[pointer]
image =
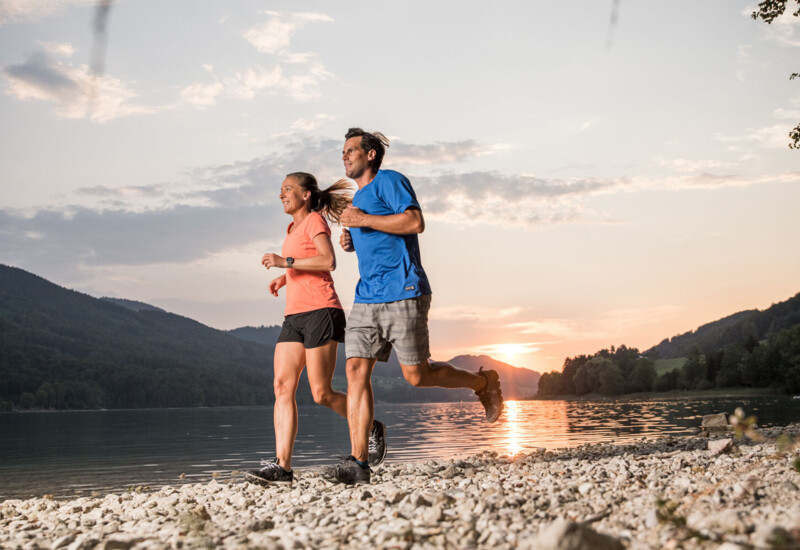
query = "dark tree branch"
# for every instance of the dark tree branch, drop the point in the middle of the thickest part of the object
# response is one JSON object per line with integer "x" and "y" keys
{"x": 768, "y": 11}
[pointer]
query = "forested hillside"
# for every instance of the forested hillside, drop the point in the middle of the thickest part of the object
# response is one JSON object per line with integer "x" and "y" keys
{"x": 754, "y": 349}
{"x": 736, "y": 329}
{"x": 63, "y": 349}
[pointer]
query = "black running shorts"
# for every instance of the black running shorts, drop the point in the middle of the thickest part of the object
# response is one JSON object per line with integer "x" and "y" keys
{"x": 314, "y": 328}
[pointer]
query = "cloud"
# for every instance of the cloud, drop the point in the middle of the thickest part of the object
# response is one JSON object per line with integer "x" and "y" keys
{"x": 214, "y": 208}
{"x": 472, "y": 313}
{"x": 744, "y": 59}
{"x": 274, "y": 35}
{"x": 501, "y": 199}
{"x": 301, "y": 83}
{"x": 774, "y": 136}
{"x": 64, "y": 49}
{"x": 86, "y": 237}
{"x": 76, "y": 92}
{"x": 507, "y": 350}
{"x": 603, "y": 327}
{"x": 296, "y": 74}
{"x": 202, "y": 96}
{"x": 685, "y": 166}
{"x": 786, "y": 29}
{"x": 436, "y": 153}
{"x": 307, "y": 125}
{"x": 246, "y": 84}
{"x": 17, "y": 11}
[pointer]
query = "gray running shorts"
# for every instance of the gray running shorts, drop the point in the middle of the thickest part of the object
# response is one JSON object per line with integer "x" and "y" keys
{"x": 373, "y": 329}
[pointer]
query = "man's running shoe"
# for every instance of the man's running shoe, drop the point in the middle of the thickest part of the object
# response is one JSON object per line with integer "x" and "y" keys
{"x": 377, "y": 443}
{"x": 491, "y": 397}
{"x": 270, "y": 472}
{"x": 348, "y": 471}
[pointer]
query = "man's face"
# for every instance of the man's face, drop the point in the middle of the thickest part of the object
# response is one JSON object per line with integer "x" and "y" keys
{"x": 355, "y": 159}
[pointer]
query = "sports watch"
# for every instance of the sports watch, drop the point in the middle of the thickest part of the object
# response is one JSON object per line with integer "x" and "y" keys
{"x": 289, "y": 262}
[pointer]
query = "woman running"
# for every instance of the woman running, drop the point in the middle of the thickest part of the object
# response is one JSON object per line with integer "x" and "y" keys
{"x": 314, "y": 323}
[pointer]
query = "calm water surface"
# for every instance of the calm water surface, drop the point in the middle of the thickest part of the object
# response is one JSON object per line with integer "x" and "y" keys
{"x": 75, "y": 453}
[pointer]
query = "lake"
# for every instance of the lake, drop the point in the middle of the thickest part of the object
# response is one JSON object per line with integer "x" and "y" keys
{"x": 68, "y": 454}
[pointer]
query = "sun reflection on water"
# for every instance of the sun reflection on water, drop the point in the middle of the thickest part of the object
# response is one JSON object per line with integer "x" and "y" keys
{"x": 514, "y": 447}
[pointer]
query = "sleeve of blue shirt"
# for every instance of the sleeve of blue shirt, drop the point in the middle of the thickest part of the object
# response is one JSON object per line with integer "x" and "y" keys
{"x": 396, "y": 191}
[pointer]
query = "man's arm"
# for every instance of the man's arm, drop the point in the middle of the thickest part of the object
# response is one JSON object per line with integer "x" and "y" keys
{"x": 409, "y": 222}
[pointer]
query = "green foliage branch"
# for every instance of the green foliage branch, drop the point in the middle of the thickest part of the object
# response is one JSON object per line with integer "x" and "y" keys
{"x": 768, "y": 11}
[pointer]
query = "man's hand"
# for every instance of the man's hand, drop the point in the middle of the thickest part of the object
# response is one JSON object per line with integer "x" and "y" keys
{"x": 273, "y": 260}
{"x": 346, "y": 241}
{"x": 276, "y": 284}
{"x": 353, "y": 217}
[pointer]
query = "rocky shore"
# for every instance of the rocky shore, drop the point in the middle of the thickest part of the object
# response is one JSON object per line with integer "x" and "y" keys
{"x": 688, "y": 492}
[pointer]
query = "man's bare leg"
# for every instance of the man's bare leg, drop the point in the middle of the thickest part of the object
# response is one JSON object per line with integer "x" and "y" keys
{"x": 442, "y": 375}
{"x": 360, "y": 405}
{"x": 485, "y": 384}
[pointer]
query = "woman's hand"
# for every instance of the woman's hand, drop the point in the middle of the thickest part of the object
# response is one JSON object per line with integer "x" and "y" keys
{"x": 276, "y": 284}
{"x": 273, "y": 260}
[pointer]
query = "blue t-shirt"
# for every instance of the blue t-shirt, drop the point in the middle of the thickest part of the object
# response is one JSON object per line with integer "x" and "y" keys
{"x": 390, "y": 265}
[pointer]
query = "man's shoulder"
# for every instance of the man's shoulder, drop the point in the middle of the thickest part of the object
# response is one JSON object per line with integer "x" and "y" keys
{"x": 390, "y": 176}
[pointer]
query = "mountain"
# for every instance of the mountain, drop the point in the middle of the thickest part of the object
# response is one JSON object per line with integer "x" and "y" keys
{"x": 517, "y": 383}
{"x": 63, "y": 349}
{"x": 753, "y": 325}
{"x": 133, "y": 305}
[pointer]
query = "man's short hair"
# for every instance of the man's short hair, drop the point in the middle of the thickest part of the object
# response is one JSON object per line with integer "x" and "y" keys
{"x": 371, "y": 141}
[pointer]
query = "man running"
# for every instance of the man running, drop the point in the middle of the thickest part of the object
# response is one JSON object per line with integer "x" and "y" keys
{"x": 392, "y": 300}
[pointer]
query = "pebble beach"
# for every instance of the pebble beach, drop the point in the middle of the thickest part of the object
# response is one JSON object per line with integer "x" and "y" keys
{"x": 672, "y": 492}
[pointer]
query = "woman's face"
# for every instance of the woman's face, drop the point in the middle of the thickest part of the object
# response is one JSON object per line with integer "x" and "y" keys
{"x": 293, "y": 196}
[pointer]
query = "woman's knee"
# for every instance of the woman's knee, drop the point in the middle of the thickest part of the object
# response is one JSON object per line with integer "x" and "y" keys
{"x": 284, "y": 388}
{"x": 322, "y": 396}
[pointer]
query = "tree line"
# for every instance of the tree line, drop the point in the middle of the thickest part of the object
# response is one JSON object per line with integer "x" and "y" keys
{"x": 771, "y": 363}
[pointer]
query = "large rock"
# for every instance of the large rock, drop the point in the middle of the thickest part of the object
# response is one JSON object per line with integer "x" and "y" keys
{"x": 568, "y": 535}
{"x": 719, "y": 446}
{"x": 715, "y": 422}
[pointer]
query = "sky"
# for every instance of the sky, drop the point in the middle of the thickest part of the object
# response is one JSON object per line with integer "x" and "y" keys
{"x": 591, "y": 173}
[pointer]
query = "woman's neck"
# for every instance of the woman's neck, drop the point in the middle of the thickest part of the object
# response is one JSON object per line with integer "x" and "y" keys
{"x": 300, "y": 215}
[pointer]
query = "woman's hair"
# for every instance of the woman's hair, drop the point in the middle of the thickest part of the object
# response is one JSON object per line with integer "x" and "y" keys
{"x": 330, "y": 202}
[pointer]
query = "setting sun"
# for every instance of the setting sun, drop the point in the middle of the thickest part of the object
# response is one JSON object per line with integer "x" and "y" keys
{"x": 511, "y": 351}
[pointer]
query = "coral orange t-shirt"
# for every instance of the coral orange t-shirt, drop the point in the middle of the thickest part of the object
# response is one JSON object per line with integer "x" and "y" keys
{"x": 307, "y": 290}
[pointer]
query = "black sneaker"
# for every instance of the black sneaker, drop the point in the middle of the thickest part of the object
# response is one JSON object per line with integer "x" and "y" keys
{"x": 270, "y": 472}
{"x": 491, "y": 396}
{"x": 377, "y": 443}
{"x": 348, "y": 471}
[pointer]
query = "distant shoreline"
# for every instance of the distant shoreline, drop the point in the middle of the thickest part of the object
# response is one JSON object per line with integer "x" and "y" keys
{"x": 676, "y": 395}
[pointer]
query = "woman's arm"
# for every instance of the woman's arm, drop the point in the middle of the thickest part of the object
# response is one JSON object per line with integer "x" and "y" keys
{"x": 325, "y": 260}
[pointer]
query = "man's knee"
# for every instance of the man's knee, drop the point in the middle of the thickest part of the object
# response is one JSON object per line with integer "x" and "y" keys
{"x": 358, "y": 369}
{"x": 416, "y": 375}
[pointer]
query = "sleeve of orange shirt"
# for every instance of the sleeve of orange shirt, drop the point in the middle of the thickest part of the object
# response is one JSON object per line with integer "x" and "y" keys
{"x": 315, "y": 226}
